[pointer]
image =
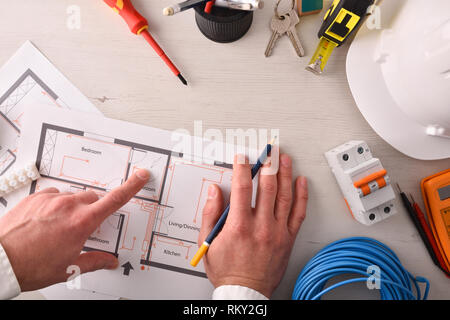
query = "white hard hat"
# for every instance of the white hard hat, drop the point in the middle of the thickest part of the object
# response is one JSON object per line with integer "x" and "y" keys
{"x": 400, "y": 77}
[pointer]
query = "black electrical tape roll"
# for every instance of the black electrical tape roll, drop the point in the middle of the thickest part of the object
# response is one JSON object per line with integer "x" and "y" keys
{"x": 223, "y": 24}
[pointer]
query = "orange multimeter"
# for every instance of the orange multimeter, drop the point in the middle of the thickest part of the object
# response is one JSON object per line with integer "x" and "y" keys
{"x": 436, "y": 196}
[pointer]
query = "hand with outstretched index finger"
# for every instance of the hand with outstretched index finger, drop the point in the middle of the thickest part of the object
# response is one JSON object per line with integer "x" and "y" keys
{"x": 45, "y": 232}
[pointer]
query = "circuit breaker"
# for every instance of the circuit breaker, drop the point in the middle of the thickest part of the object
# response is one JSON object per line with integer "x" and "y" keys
{"x": 364, "y": 182}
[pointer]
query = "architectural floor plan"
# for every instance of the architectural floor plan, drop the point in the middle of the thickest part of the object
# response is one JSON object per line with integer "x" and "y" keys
{"x": 161, "y": 223}
{"x": 24, "y": 91}
{"x": 25, "y": 80}
{"x": 155, "y": 235}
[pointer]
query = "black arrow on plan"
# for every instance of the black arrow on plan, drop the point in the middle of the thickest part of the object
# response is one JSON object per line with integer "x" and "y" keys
{"x": 126, "y": 268}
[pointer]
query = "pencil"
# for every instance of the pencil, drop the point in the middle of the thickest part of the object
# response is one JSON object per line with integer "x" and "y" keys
{"x": 220, "y": 223}
{"x": 185, "y": 5}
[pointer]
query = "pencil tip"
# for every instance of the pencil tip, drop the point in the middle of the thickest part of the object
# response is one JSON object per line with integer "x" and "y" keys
{"x": 182, "y": 79}
{"x": 272, "y": 142}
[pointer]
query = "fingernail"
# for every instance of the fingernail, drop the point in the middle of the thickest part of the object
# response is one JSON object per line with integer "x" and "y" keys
{"x": 285, "y": 160}
{"x": 267, "y": 163}
{"x": 303, "y": 182}
{"x": 143, "y": 174}
{"x": 241, "y": 159}
{"x": 212, "y": 192}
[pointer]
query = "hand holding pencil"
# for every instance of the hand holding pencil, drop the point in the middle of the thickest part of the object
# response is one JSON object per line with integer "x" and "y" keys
{"x": 254, "y": 246}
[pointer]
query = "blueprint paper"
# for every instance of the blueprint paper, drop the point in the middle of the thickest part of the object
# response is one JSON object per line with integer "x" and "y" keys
{"x": 28, "y": 78}
{"x": 155, "y": 235}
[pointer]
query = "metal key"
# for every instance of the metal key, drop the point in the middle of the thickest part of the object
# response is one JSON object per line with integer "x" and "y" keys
{"x": 279, "y": 26}
{"x": 292, "y": 32}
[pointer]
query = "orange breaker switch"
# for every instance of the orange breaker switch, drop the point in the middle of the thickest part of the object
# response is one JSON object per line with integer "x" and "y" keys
{"x": 371, "y": 182}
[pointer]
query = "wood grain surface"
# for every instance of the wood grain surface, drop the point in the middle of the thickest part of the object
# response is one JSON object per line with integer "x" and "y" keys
{"x": 231, "y": 86}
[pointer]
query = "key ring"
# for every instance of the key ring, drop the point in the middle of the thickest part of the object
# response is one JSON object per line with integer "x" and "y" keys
{"x": 294, "y": 2}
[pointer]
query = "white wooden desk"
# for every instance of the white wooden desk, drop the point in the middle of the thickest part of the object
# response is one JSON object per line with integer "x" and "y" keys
{"x": 231, "y": 86}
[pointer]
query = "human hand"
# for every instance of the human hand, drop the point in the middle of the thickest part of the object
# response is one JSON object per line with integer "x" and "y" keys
{"x": 45, "y": 232}
{"x": 254, "y": 246}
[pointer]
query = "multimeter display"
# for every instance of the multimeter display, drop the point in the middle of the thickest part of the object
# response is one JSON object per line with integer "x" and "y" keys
{"x": 446, "y": 217}
{"x": 444, "y": 193}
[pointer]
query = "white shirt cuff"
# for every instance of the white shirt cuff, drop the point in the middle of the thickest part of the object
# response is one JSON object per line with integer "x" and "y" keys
{"x": 234, "y": 292}
{"x": 9, "y": 286}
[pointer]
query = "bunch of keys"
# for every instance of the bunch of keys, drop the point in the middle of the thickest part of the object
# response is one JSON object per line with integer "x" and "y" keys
{"x": 285, "y": 24}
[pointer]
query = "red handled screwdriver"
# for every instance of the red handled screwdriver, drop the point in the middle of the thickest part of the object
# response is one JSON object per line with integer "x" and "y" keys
{"x": 208, "y": 6}
{"x": 139, "y": 25}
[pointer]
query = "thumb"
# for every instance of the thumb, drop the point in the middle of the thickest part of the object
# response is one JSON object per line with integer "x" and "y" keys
{"x": 211, "y": 212}
{"x": 95, "y": 260}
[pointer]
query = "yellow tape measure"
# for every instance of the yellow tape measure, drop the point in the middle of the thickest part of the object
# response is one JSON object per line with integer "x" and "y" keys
{"x": 341, "y": 20}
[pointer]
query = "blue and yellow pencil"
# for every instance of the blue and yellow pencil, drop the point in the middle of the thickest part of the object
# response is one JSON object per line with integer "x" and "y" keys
{"x": 219, "y": 225}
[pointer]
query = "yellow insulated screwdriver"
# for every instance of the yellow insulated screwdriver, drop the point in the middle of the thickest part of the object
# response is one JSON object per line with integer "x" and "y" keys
{"x": 342, "y": 19}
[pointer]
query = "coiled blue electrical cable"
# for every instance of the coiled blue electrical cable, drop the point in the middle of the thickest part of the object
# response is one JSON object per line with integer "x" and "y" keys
{"x": 356, "y": 256}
